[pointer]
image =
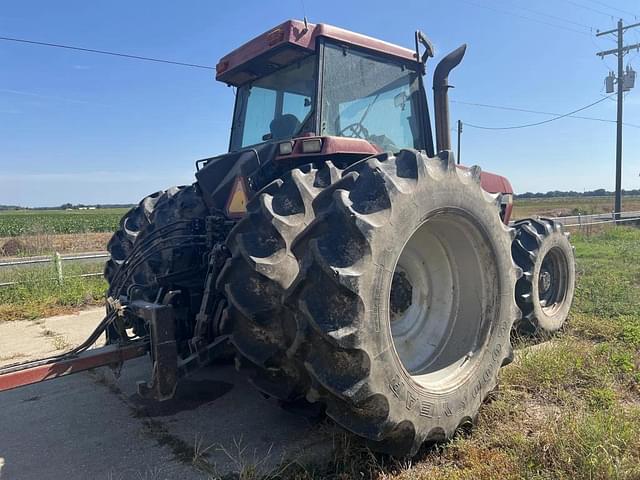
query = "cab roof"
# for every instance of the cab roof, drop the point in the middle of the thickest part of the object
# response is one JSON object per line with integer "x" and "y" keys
{"x": 291, "y": 41}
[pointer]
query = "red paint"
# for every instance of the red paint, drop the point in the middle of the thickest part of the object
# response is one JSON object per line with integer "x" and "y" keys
{"x": 332, "y": 146}
{"x": 96, "y": 357}
{"x": 294, "y": 34}
{"x": 493, "y": 183}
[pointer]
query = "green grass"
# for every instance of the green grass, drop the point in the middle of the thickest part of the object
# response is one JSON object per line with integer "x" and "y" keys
{"x": 28, "y": 222}
{"x": 39, "y": 294}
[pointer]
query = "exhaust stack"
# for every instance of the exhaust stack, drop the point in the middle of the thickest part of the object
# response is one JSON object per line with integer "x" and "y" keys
{"x": 441, "y": 96}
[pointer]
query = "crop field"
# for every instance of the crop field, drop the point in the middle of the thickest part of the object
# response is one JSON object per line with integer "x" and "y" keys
{"x": 31, "y": 222}
{"x": 562, "y": 206}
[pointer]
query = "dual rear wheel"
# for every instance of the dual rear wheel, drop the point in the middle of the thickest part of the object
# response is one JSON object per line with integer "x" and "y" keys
{"x": 382, "y": 294}
{"x": 393, "y": 286}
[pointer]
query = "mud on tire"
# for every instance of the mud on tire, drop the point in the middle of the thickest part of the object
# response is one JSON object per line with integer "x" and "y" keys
{"x": 262, "y": 267}
{"x": 158, "y": 238}
{"x": 545, "y": 291}
{"x": 337, "y": 333}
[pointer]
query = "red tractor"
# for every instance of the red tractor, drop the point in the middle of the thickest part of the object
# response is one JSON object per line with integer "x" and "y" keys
{"x": 354, "y": 268}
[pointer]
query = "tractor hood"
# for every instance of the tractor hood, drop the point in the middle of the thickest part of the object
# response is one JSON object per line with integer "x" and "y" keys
{"x": 217, "y": 175}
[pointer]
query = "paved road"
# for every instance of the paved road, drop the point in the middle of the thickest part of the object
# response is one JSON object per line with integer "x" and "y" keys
{"x": 90, "y": 426}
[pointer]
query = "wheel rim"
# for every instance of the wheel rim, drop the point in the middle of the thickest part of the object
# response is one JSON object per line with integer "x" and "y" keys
{"x": 444, "y": 282}
{"x": 552, "y": 281}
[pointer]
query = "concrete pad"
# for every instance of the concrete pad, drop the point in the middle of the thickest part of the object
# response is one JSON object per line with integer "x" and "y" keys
{"x": 220, "y": 411}
{"x": 76, "y": 328}
{"x": 92, "y": 425}
{"x": 72, "y": 428}
{"x": 22, "y": 341}
{"x": 30, "y": 340}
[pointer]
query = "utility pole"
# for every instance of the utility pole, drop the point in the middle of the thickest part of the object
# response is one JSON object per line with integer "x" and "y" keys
{"x": 459, "y": 133}
{"x": 621, "y": 80}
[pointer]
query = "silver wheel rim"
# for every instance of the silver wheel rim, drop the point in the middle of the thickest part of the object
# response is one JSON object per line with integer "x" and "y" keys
{"x": 442, "y": 287}
{"x": 552, "y": 281}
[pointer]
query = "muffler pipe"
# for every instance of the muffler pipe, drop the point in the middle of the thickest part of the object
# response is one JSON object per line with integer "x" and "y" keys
{"x": 441, "y": 96}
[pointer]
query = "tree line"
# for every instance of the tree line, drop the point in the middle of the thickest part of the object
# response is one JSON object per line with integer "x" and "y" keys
{"x": 600, "y": 192}
{"x": 68, "y": 206}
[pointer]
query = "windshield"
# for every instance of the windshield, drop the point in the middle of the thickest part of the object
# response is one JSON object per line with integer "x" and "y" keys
{"x": 370, "y": 98}
{"x": 275, "y": 107}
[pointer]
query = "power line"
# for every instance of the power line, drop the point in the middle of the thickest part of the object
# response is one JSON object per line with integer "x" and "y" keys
{"x": 562, "y": 19}
{"x": 208, "y": 67}
{"x": 525, "y": 110}
{"x": 513, "y": 127}
{"x": 590, "y": 8}
{"x": 105, "y": 52}
{"x": 614, "y": 8}
{"x": 506, "y": 12}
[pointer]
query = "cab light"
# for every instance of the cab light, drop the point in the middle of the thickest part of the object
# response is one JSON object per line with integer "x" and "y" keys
{"x": 285, "y": 148}
{"x": 237, "y": 202}
{"x": 313, "y": 145}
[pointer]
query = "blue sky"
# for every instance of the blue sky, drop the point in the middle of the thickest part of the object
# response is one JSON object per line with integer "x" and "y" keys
{"x": 80, "y": 127}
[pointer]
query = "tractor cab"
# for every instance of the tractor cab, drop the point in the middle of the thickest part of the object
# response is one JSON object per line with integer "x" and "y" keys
{"x": 310, "y": 93}
{"x": 300, "y": 80}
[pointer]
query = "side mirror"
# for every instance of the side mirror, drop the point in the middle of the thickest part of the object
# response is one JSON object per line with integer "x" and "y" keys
{"x": 400, "y": 100}
{"x": 429, "y": 51}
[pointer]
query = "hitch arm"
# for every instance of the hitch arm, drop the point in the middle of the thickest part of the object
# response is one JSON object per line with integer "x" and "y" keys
{"x": 26, "y": 374}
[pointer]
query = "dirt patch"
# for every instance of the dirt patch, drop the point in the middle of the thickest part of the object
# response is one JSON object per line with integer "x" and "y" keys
{"x": 12, "y": 247}
{"x": 46, "y": 244}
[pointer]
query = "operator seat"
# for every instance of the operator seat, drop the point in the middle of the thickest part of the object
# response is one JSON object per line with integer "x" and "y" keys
{"x": 284, "y": 126}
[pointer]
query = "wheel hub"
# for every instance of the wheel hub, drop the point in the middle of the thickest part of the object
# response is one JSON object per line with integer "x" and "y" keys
{"x": 552, "y": 284}
{"x": 435, "y": 309}
{"x": 401, "y": 294}
{"x": 545, "y": 281}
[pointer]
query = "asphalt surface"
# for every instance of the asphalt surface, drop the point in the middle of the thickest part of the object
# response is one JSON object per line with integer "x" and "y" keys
{"x": 91, "y": 426}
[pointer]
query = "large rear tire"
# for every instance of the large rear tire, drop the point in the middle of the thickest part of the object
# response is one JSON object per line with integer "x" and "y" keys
{"x": 160, "y": 243}
{"x": 402, "y": 300}
{"x": 545, "y": 291}
{"x": 262, "y": 267}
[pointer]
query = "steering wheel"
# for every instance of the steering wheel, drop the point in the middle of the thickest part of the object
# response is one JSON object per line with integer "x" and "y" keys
{"x": 356, "y": 129}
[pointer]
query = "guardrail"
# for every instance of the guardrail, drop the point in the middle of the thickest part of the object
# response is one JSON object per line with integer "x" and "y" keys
{"x": 57, "y": 260}
{"x": 48, "y": 259}
{"x": 597, "y": 219}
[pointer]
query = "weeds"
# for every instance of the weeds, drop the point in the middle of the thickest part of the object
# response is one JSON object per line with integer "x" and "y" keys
{"x": 38, "y": 293}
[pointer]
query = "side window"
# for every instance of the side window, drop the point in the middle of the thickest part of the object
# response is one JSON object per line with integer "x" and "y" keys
{"x": 298, "y": 105}
{"x": 276, "y": 106}
{"x": 260, "y": 111}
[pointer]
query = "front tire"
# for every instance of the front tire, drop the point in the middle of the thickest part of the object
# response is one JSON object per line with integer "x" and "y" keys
{"x": 545, "y": 291}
